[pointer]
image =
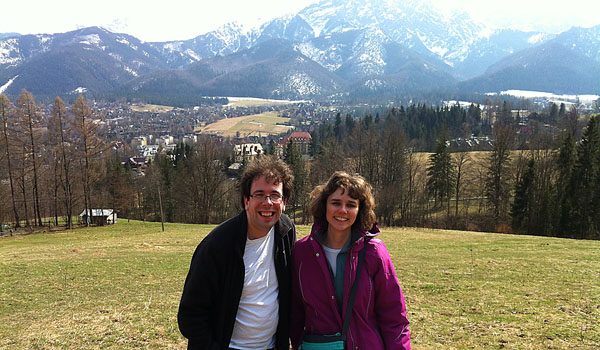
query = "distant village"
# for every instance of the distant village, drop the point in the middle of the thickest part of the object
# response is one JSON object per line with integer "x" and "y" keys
{"x": 140, "y": 135}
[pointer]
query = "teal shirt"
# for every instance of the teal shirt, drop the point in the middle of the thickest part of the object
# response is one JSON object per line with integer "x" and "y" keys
{"x": 338, "y": 280}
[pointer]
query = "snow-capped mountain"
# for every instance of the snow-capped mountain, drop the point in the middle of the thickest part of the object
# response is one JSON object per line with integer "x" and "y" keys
{"x": 228, "y": 39}
{"x": 92, "y": 59}
{"x": 569, "y": 63}
{"x": 456, "y": 38}
{"x": 412, "y": 23}
{"x": 334, "y": 48}
{"x": 271, "y": 69}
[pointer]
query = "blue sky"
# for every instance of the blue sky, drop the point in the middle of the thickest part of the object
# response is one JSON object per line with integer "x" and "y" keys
{"x": 184, "y": 19}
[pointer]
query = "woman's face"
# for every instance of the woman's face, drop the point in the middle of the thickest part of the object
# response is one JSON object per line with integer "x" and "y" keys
{"x": 341, "y": 211}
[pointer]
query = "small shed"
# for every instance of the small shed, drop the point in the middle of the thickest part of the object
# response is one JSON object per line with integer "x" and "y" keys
{"x": 99, "y": 216}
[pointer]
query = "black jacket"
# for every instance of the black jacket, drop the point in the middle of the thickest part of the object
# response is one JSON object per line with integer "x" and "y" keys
{"x": 213, "y": 286}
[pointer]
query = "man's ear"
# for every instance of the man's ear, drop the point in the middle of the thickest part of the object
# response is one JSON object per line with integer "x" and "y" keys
{"x": 246, "y": 199}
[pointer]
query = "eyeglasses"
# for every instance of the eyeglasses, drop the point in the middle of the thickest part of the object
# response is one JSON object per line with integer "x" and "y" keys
{"x": 275, "y": 197}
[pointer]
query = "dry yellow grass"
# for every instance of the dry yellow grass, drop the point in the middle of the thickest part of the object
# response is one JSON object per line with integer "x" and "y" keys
{"x": 151, "y": 108}
{"x": 263, "y": 124}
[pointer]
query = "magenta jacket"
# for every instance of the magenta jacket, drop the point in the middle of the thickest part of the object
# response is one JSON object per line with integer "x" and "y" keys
{"x": 379, "y": 315}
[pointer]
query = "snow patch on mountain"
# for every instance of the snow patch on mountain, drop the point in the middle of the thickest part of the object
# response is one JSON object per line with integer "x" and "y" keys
{"x": 116, "y": 56}
{"x": 44, "y": 38}
{"x": 537, "y": 38}
{"x": 374, "y": 84}
{"x": 191, "y": 53}
{"x": 302, "y": 84}
{"x": 126, "y": 42}
{"x": 5, "y": 86}
{"x": 331, "y": 58}
{"x": 79, "y": 90}
{"x": 173, "y": 46}
{"x": 548, "y": 95}
{"x": 90, "y": 39}
{"x": 369, "y": 52}
{"x": 130, "y": 71}
{"x": 438, "y": 50}
{"x": 9, "y": 51}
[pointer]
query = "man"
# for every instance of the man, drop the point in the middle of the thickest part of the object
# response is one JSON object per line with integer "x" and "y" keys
{"x": 237, "y": 291}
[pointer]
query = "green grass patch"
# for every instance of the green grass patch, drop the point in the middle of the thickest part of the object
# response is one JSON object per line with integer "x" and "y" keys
{"x": 118, "y": 287}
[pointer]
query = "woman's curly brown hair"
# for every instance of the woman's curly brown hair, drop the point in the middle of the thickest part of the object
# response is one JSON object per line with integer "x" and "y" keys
{"x": 357, "y": 187}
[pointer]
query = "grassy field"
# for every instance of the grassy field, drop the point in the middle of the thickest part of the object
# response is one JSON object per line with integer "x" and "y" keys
{"x": 250, "y": 125}
{"x": 118, "y": 287}
{"x": 151, "y": 108}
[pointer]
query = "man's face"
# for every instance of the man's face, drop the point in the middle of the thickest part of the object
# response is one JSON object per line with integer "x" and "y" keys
{"x": 263, "y": 213}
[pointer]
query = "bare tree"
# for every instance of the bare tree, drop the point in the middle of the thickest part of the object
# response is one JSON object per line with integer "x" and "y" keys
{"x": 393, "y": 173}
{"x": 88, "y": 147}
{"x": 59, "y": 132}
{"x": 200, "y": 183}
{"x": 7, "y": 115}
{"x": 29, "y": 119}
{"x": 461, "y": 160}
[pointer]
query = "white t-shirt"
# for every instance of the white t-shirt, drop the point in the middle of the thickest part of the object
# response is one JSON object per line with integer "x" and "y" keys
{"x": 331, "y": 255}
{"x": 258, "y": 311}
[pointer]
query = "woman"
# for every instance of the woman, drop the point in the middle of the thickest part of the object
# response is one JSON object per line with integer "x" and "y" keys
{"x": 324, "y": 269}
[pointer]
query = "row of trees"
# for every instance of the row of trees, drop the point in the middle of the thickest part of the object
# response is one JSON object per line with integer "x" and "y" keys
{"x": 50, "y": 164}
{"x": 549, "y": 185}
{"x": 542, "y": 183}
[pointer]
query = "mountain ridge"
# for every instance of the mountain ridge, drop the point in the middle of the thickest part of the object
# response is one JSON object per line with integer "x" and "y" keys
{"x": 335, "y": 48}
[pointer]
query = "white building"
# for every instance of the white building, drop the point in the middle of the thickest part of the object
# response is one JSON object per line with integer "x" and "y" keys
{"x": 247, "y": 150}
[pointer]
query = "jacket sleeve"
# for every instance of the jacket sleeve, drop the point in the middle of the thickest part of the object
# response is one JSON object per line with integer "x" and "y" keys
{"x": 390, "y": 308}
{"x": 199, "y": 293}
{"x": 297, "y": 312}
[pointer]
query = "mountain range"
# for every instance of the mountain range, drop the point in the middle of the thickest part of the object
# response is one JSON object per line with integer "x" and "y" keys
{"x": 332, "y": 49}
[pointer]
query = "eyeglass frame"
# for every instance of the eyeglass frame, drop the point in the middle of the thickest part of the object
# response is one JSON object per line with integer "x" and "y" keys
{"x": 263, "y": 197}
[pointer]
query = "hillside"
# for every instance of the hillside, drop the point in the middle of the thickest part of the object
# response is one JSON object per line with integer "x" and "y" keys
{"x": 118, "y": 287}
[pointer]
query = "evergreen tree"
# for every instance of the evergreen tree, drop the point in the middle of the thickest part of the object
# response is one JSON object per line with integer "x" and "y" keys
{"x": 441, "y": 172}
{"x": 562, "y": 111}
{"x": 349, "y": 124}
{"x": 271, "y": 150}
{"x": 563, "y": 190}
{"x": 553, "y": 114}
{"x": 337, "y": 127}
{"x": 585, "y": 184}
{"x": 521, "y": 208}
{"x": 294, "y": 160}
{"x": 497, "y": 186}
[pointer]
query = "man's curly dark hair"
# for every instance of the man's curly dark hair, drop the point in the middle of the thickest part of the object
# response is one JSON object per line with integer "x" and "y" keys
{"x": 273, "y": 169}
